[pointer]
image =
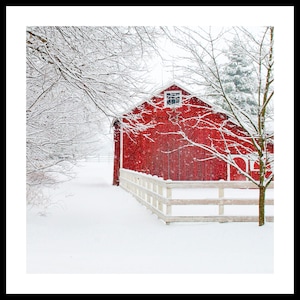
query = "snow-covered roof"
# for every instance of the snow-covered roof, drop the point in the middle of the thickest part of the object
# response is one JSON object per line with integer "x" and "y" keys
{"x": 157, "y": 91}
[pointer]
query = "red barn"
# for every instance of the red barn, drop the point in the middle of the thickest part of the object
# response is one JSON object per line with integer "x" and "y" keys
{"x": 161, "y": 136}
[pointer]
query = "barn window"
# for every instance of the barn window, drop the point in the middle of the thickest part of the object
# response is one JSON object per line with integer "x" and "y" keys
{"x": 173, "y": 98}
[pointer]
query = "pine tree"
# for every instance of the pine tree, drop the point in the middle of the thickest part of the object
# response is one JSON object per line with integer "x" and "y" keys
{"x": 238, "y": 80}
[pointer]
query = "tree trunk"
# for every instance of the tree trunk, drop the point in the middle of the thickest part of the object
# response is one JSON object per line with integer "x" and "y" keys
{"x": 261, "y": 205}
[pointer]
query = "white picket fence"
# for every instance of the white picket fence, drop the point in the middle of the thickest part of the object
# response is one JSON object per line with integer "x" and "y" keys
{"x": 157, "y": 195}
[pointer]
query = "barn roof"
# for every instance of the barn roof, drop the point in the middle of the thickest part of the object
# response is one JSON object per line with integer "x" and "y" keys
{"x": 156, "y": 92}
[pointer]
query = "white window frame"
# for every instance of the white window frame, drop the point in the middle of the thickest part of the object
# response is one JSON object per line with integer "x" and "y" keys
{"x": 175, "y": 104}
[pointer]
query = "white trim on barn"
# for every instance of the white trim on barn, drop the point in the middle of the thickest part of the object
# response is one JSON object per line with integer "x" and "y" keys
{"x": 121, "y": 146}
{"x": 157, "y": 92}
{"x": 244, "y": 158}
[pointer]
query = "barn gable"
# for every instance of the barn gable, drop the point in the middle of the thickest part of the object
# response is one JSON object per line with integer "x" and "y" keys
{"x": 149, "y": 138}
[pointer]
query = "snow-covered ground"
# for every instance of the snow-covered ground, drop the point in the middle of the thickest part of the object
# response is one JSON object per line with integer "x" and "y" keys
{"x": 99, "y": 239}
{"x": 96, "y": 228}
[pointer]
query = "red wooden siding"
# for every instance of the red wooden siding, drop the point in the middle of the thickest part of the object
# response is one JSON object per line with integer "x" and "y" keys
{"x": 160, "y": 150}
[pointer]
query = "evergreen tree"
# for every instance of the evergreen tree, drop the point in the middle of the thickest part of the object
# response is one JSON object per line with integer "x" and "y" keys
{"x": 238, "y": 80}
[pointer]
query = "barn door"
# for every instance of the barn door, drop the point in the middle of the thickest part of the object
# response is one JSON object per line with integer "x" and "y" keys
{"x": 234, "y": 173}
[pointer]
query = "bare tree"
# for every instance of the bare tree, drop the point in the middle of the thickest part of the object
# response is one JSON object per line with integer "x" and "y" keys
{"x": 204, "y": 63}
{"x": 78, "y": 79}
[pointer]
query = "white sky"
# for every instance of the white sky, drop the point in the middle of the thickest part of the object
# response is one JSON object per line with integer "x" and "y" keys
{"x": 18, "y": 17}
{"x": 162, "y": 72}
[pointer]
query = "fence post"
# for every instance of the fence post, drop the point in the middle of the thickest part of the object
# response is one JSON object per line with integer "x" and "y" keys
{"x": 221, "y": 196}
{"x": 148, "y": 198}
{"x": 142, "y": 190}
{"x": 154, "y": 189}
{"x": 160, "y": 192}
{"x": 169, "y": 196}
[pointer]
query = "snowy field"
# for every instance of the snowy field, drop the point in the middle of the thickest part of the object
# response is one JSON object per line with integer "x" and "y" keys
{"x": 96, "y": 228}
